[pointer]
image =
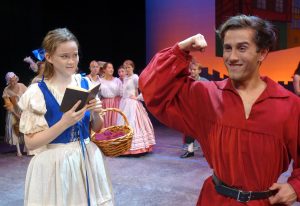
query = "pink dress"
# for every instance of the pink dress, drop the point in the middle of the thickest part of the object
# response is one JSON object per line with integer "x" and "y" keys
{"x": 110, "y": 96}
{"x": 138, "y": 118}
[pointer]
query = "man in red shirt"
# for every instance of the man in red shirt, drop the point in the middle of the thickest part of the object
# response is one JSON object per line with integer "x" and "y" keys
{"x": 247, "y": 125}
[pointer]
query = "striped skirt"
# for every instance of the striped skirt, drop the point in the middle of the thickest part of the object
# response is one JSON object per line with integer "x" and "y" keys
{"x": 143, "y": 138}
{"x": 110, "y": 118}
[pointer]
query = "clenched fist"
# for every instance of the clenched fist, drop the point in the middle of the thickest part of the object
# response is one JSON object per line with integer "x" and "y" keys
{"x": 194, "y": 43}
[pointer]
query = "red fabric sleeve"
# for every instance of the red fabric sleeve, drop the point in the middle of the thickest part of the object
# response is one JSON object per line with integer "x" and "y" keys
{"x": 169, "y": 93}
{"x": 294, "y": 148}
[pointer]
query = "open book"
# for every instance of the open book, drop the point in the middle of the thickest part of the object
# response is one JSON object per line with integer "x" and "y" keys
{"x": 73, "y": 94}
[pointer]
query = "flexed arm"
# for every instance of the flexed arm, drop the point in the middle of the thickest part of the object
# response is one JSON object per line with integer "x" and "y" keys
{"x": 194, "y": 43}
{"x": 170, "y": 95}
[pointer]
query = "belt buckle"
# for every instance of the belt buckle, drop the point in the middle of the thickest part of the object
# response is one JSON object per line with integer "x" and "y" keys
{"x": 247, "y": 194}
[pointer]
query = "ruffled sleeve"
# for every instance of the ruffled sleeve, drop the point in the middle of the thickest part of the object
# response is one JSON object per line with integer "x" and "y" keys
{"x": 119, "y": 86}
{"x": 33, "y": 108}
{"x": 166, "y": 87}
{"x": 136, "y": 80}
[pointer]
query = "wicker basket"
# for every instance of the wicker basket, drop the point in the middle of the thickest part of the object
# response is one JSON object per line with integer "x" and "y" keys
{"x": 119, "y": 145}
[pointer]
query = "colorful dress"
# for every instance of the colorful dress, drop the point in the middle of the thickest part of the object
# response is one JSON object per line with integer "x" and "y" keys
{"x": 110, "y": 95}
{"x": 12, "y": 134}
{"x": 246, "y": 153}
{"x": 143, "y": 138}
{"x": 71, "y": 171}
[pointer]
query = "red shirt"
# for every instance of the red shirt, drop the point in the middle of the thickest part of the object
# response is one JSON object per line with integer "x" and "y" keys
{"x": 249, "y": 154}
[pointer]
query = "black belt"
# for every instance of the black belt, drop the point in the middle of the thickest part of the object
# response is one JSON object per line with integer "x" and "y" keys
{"x": 240, "y": 195}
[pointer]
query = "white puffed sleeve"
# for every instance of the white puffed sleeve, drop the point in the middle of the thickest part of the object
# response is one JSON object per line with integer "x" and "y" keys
{"x": 32, "y": 104}
{"x": 136, "y": 80}
{"x": 136, "y": 84}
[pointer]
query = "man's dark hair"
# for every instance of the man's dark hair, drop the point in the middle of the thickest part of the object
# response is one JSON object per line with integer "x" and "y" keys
{"x": 265, "y": 37}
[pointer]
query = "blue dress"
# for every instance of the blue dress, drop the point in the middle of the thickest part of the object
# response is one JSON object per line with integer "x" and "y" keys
{"x": 71, "y": 171}
{"x": 79, "y": 131}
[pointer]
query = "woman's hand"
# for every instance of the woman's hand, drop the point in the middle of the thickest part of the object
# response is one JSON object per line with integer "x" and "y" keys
{"x": 95, "y": 106}
{"x": 71, "y": 117}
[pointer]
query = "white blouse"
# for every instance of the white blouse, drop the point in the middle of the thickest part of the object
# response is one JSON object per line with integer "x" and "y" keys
{"x": 110, "y": 88}
{"x": 33, "y": 106}
{"x": 130, "y": 86}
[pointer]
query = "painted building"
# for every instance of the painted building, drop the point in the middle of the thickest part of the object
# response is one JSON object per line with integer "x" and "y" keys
{"x": 279, "y": 12}
{"x": 293, "y": 33}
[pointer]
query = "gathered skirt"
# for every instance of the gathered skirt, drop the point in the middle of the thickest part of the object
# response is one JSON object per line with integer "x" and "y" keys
{"x": 143, "y": 137}
{"x": 57, "y": 176}
{"x": 110, "y": 118}
{"x": 11, "y": 137}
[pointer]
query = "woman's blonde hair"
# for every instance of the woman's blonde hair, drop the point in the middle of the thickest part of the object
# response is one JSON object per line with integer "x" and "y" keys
{"x": 94, "y": 62}
{"x": 50, "y": 43}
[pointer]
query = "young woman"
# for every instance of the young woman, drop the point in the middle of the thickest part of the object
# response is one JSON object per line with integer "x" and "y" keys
{"x": 121, "y": 73}
{"x": 110, "y": 93}
{"x": 93, "y": 76}
{"x": 11, "y": 95}
{"x": 143, "y": 139}
{"x": 71, "y": 171}
{"x": 101, "y": 64}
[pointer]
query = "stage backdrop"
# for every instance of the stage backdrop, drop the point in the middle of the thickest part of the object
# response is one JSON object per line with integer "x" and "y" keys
{"x": 113, "y": 31}
{"x": 169, "y": 21}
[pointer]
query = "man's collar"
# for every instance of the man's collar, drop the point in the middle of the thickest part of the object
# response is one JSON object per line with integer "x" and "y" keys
{"x": 273, "y": 89}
